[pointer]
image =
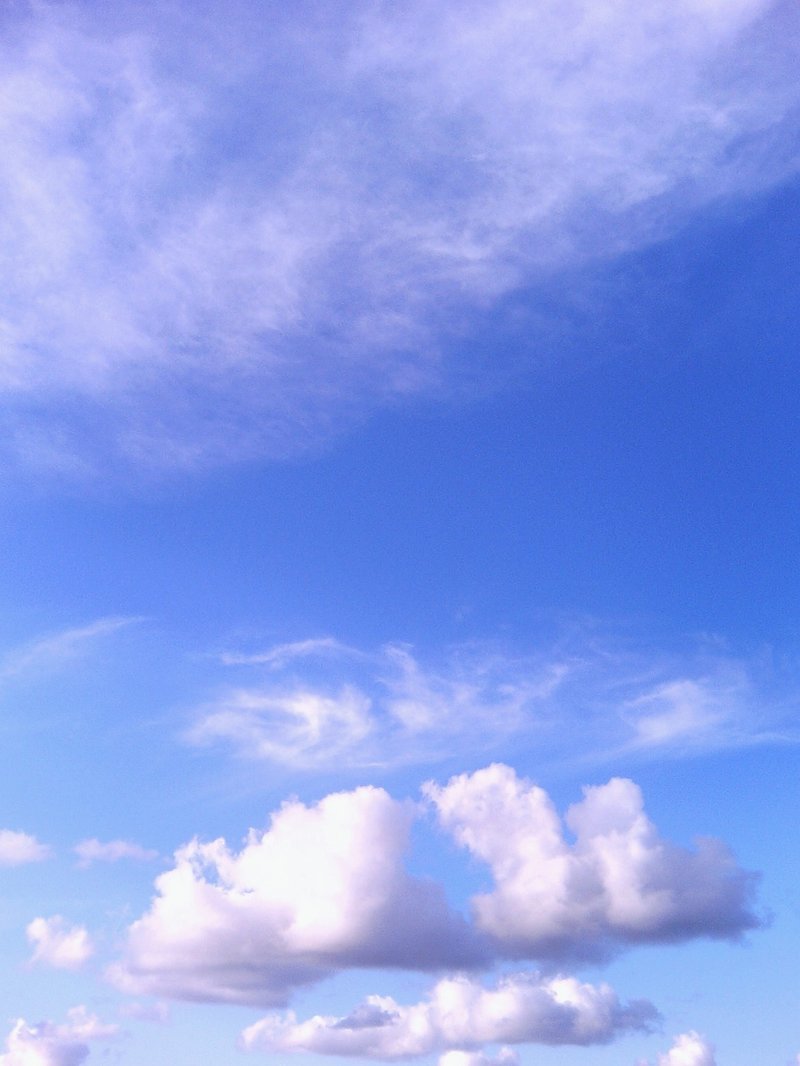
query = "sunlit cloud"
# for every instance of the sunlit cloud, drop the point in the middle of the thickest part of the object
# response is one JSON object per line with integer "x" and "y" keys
{"x": 58, "y": 945}
{"x": 460, "y": 1013}
{"x": 620, "y": 883}
{"x": 49, "y": 1044}
{"x": 325, "y": 889}
{"x": 18, "y": 849}
{"x": 688, "y": 1049}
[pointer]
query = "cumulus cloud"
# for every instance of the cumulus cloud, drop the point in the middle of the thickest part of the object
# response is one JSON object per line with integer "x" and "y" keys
{"x": 244, "y": 242}
{"x": 323, "y": 888}
{"x": 17, "y": 849}
{"x": 93, "y": 850}
{"x": 462, "y": 1015}
{"x": 618, "y": 883}
{"x": 505, "y": 1057}
{"x": 47, "y": 1044}
{"x": 57, "y": 945}
{"x": 689, "y": 1049}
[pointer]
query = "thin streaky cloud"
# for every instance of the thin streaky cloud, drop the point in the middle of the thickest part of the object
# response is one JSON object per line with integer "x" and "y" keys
{"x": 281, "y": 654}
{"x": 93, "y": 850}
{"x": 320, "y": 703}
{"x": 524, "y": 1008}
{"x": 56, "y": 649}
{"x": 235, "y": 273}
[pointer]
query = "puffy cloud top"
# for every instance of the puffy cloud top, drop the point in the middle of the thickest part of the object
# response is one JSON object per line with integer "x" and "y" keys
{"x": 461, "y": 1014}
{"x": 48, "y": 1044}
{"x": 323, "y": 888}
{"x": 17, "y": 849}
{"x": 59, "y": 946}
{"x": 618, "y": 883}
{"x": 689, "y": 1049}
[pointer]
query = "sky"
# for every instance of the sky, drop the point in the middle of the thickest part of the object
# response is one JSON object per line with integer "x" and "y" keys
{"x": 399, "y": 466}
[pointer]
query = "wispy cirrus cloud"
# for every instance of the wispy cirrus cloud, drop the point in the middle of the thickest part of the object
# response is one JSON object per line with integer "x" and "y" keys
{"x": 93, "y": 850}
{"x": 217, "y": 245}
{"x": 318, "y": 703}
{"x": 54, "y": 650}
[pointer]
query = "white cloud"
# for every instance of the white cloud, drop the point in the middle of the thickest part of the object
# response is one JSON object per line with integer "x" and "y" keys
{"x": 319, "y": 702}
{"x": 689, "y": 1049}
{"x": 47, "y": 1044}
{"x": 323, "y": 703}
{"x": 17, "y": 849}
{"x": 463, "y": 1015}
{"x": 59, "y": 946}
{"x": 684, "y": 711}
{"x": 299, "y": 727}
{"x": 323, "y": 888}
{"x": 56, "y": 649}
{"x": 93, "y": 850}
{"x": 504, "y": 1057}
{"x": 237, "y": 263}
{"x": 282, "y": 654}
{"x": 618, "y": 883}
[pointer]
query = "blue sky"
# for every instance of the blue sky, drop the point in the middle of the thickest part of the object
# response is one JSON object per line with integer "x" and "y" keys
{"x": 398, "y": 617}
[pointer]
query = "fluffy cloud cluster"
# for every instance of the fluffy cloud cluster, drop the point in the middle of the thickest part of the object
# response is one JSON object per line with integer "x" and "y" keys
{"x": 17, "y": 849}
{"x": 618, "y": 883}
{"x": 323, "y": 888}
{"x": 463, "y": 1015}
{"x": 47, "y": 1044}
{"x": 689, "y": 1049}
{"x": 242, "y": 242}
{"x": 59, "y": 946}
